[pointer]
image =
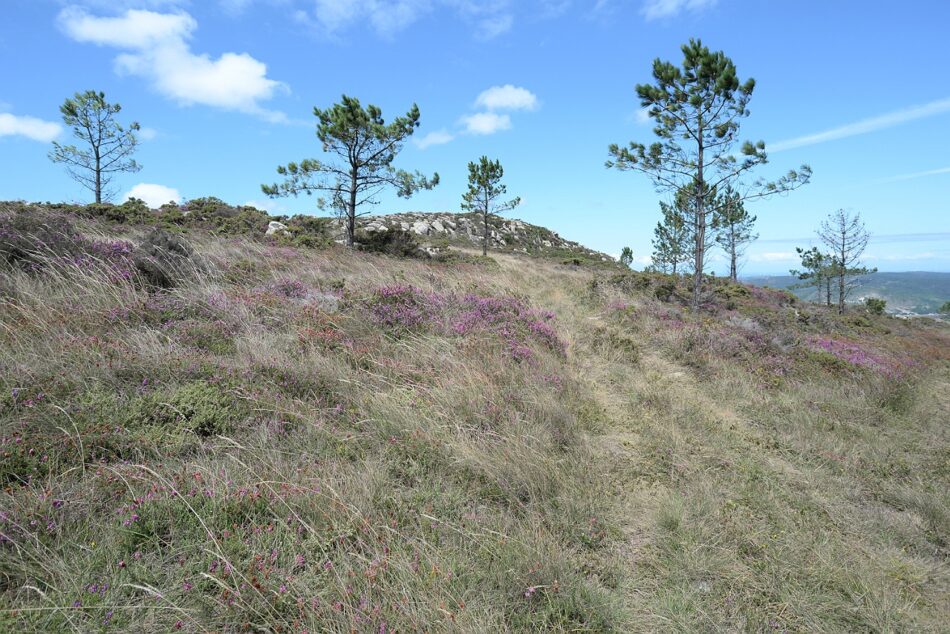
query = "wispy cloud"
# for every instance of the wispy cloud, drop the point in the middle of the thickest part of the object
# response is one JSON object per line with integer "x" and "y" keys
{"x": 866, "y": 126}
{"x": 491, "y": 18}
{"x": 774, "y": 256}
{"x": 438, "y": 137}
{"x": 658, "y": 9}
{"x": 159, "y": 51}
{"x": 29, "y": 127}
{"x": 907, "y": 177}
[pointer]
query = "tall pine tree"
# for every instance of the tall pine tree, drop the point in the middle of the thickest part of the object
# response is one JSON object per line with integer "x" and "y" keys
{"x": 362, "y": 148}
{"x": 697, "y": 109}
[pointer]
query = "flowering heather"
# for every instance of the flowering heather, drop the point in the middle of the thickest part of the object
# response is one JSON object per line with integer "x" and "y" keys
{"x": 292, "y": 289}
{"x": 853, "y": 353}
{"x": 407, "y": 308}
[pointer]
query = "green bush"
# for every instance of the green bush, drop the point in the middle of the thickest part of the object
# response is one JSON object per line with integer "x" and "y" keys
{"x": 201, "y": 407}
{"x": 875, "y": 305}
{"x": 310, "y": 231}
{"x": 395, "y": 242}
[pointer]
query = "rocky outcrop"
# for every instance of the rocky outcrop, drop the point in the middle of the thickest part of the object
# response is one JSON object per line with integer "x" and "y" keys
{"x": 466, "y": 229}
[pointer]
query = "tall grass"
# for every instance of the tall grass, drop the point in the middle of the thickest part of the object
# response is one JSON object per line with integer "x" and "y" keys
{"x": 260, "y": 448}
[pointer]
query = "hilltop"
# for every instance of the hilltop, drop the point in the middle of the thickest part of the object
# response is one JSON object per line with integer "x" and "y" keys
{"x": 208, "y": 428}
{"x": 466, "y": 230}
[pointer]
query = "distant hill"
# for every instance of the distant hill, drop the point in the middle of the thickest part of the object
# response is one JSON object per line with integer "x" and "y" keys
{"x": 914, "y": 292}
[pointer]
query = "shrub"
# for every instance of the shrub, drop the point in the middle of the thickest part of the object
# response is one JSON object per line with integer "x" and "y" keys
{"x": 130, "y": 212}
{"x": 28, "y": 238}
{"x": 310, "y": 231}
{"x": 201, "y": 407}
{"x": 395, "y": 242}
{"x": 164, "y": 259}
{"x": 875, "y": 305}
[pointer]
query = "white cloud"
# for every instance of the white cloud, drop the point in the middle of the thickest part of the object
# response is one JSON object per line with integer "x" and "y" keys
{"x": 161, "y": 54}
{"x": 642, "y": 116}
{"x": 658, "y": 9}
{"x": 30, "y": 127}
{"x": 147, "y": 134}
{"x": 153, "y": 195}
{"x": 865, "y": 126}
{"x": 438, "y": 137}
{"x": 507, "y": 97}
{"x": 486, "y": 123}
{"x": 388, "y": 17}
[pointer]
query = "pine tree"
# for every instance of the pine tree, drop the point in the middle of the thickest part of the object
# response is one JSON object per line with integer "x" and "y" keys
{"x": 846, "y": 236}
{"x": 110, "y": 145}
{"x": 732, "y": 225}
{"x": 673, "y": 241}
{"x": 362, "y": 147}
{"x": 626, "y": 257}
{"x": 484, "y": 190}
{"x": 697, "y": 109}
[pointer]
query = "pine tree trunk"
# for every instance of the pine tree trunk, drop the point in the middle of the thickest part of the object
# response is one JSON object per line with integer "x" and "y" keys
{"x": 700, "y": 186}
{"x": 485, "y": 234}
{"x": 98, "y": 179}
{"x": 733, "y": 273}
{"x": 351, "y": 212}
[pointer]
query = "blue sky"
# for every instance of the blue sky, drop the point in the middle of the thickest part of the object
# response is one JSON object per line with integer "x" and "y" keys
{"x": 224, "y": 91}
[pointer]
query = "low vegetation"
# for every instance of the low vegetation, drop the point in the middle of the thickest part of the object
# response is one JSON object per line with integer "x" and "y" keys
{"x": 279, "y": 437}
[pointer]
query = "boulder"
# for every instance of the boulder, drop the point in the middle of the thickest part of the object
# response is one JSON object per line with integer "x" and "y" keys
{"x": 274, "y": 227}
{"x": 421, "y": 228}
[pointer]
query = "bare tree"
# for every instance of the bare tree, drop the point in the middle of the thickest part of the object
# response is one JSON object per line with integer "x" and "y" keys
{"x": 108, "y": 146}
{"x": 846, "y": 237}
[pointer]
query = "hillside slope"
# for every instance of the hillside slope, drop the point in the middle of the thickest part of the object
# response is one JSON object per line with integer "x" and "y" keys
{"x": 232, "y": 434}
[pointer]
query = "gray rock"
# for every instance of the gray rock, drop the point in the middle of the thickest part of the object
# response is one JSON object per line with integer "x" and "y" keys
{"x": 274, "y": 227}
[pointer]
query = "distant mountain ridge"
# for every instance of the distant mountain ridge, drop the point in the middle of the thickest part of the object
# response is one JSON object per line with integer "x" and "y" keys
{"x": 910, "y": 292}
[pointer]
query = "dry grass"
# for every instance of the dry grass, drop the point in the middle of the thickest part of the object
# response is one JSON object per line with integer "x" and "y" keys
{"x": 252, "y": 451}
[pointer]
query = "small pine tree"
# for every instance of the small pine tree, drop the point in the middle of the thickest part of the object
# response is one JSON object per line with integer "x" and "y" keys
{"x": 626, "y": 256}
{"x": 673, "y": 241}
{"x": 484, "y": 190}
{"x": 109, "y": 145}
{"x": 732, "y": 225}
{"x": 845, "y": 235}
